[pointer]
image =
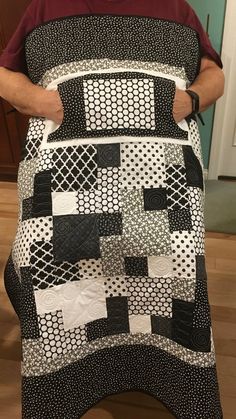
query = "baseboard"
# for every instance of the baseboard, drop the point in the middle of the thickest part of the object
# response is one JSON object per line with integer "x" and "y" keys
{"x": 233, "y": 178}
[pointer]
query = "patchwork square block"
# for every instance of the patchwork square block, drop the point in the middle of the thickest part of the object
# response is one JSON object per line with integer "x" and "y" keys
{"x": 140, "y": 324}
{"x": 194, "y": 170}
{"x": 42, "y": 200}
{"x": 28, "y": 312}
{"x": 75, "y": 237}
{"x": 183, "y": 254}
{"x": 45, "y": 271}
{"x": 112, "y": 255}
{"x": 64, "y": 203}
{"x": 89, "y": 201}
{"x": 71, "y": 298}
{"x": 117, "y": 313}
{"x": 108, "y": 191}
{"x": 182, "y": 322}
{"x": 96, "y": 329}
{"x": 180, "y": 219}
{"x": 155, "y": 199}
{"x": 142, "y": 165}
{"x": 161, "y": 325}
{"x": 149, "y": 296}
{"x": 110, "y": 224}
{"x": 136, "y": 266}
{"x": 177, "y": 193}
{"x": 160, "y": 266}
{"x": 27, "y": 208}
{"x": 74, "y": 168}
{"x": 108, "y": 155}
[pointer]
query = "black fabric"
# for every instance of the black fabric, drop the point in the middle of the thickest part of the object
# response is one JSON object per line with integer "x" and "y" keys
{"x": 137, "y": 368}
{"x": 79, "y": 31}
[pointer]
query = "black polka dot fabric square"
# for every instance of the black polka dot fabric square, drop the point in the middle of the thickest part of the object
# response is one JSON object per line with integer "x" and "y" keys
{"x": 155, "y": 199}
{"x": 29, "y": 320}
{"x": 136, "y": 266}
{"x": 108, "y": 155}
{"x": 110, "y": 224}
{"x": 183, "y": 254}
{"x": 27, "y": 208}
{"x": 115, "y": 286}
{"x": 96, "y": 329}
{"x": 180, "y": 220}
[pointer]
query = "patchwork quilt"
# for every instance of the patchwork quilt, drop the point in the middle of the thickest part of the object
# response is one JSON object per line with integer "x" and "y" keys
{"x": 107, "y": 270}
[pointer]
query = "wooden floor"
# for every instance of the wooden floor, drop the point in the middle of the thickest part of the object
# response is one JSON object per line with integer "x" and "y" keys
{"x": 221, "y": 267}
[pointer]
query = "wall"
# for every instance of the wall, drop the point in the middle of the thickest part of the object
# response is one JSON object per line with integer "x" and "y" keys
{"x": 216, "y": 10}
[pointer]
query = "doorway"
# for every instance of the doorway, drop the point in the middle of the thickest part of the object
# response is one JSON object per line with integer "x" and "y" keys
{"x": 223, "y": 150}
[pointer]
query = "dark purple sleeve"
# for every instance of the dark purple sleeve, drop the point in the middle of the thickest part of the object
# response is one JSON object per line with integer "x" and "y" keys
{"x": 191, "y": 19}
{"x": 13, "y": 56}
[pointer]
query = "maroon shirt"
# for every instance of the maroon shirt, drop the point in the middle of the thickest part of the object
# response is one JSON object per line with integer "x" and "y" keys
{"x": 40, "y": 11}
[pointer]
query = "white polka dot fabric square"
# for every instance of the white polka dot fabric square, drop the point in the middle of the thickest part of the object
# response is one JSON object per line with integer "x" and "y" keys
{"x": 44, "y": 160}
{"x": 108, "y": 192}
{"x": 114, "y": 104}
{"x": 115, "y": 286}
{"x": 148, "y": 296}
{"x": 183, "y": 254}
{"x": 56, "y": 341}
{"x": 89, "y": 202}
{"x": 140, "y": 324}
{"x": 90, "y": 269}
{"x": 196, "y": 201}
{"x": 64, "y": 203}
{"x": 142, "y": 165}
{"x": 196, "y": 141}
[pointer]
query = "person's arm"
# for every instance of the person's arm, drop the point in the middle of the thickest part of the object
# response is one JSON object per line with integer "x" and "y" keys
{"x": 28, "y": 98}
{"x": 209, "y": 85}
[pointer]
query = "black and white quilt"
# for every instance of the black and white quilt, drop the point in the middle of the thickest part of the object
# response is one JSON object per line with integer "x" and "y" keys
{"x": 107, "y": 270}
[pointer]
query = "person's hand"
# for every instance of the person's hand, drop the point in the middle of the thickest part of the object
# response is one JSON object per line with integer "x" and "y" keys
{"x": 52, "y": 107}
{"x": 182, "y": 105}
